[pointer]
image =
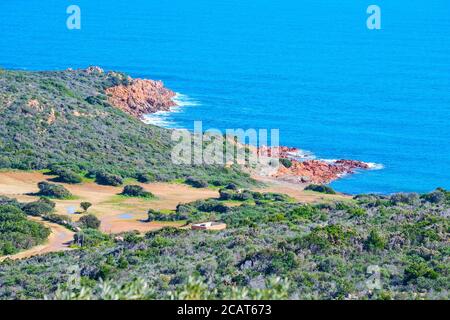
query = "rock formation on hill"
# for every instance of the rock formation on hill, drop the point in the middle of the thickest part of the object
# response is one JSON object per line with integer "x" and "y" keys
{"x": 141, "y": 97}
{"x": 304, "y": 170}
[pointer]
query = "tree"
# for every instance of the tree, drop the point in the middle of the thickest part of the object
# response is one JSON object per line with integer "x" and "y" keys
{"x": 90, "y": 221}
{"x": 85, "y": 206}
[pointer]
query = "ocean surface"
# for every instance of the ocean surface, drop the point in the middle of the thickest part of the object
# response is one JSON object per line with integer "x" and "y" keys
{"x": 310, "y": 68}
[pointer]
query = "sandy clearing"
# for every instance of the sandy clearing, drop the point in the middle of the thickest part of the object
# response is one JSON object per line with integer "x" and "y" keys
{"x": 59, "y": 240}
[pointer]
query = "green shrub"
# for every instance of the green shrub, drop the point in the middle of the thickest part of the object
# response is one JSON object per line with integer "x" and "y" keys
{"x": 66, "y": 176}
{"x": 286, "y": 162}
{"x": 17, "y": 232}
{"x": 144, "y": 178}
{"x": 39, "y": 208}
{"x": 356, "y": 211}
{"x": 226, "y": 194}
{"x": 90, "y": 221}
{"x": 154, "y": 215}
{"x": 418, "y": 269}
{"x": 304, "y": 212}
{"x": 53, "y": 190}
{"x": 375, "y": 241}
{"x": 108, "y": 179}
{"x": 435, "y": 197}
{"x": 196, "y": 183}
{"x": 85, "y": 206}
{"x": 90, "y": 238}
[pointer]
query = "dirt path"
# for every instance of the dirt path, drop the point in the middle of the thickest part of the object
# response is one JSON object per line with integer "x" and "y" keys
{"x": 59, "y": 240}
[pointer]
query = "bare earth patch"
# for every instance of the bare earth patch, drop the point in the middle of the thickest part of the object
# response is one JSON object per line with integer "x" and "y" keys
{"x": 118, "y": 213}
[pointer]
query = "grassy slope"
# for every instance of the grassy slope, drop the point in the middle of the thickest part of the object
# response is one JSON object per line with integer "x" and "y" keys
{"x": 73, "y": 124}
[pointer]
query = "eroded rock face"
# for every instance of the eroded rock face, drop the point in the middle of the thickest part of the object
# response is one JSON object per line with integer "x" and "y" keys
{"x": 141, "y": 97}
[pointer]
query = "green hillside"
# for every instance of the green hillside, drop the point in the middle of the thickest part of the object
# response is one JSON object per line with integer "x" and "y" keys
{"x": 49, "y": 118}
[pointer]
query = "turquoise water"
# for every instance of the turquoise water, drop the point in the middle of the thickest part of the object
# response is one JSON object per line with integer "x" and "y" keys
{"x": 308, "y": 67}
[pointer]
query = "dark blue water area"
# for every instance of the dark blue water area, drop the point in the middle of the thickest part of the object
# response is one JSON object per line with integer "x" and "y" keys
{"x": 310, "y": 68}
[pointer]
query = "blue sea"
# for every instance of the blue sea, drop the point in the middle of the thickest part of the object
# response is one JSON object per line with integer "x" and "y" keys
{"x": 310, "y": 68}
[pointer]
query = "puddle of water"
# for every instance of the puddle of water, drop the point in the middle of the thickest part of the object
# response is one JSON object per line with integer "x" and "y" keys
{"x": 126, "y": 216}
{"x": 71, "y": 210}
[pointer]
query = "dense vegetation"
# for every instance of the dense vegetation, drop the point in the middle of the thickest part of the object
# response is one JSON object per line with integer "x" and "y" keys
{"x": 321, "y": 251}
{"x": 62, "y": 121}
{"x": 17, "y": 232}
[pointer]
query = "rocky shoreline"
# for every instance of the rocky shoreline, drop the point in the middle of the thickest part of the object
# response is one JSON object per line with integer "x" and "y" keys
{"x": 140, "y": 96}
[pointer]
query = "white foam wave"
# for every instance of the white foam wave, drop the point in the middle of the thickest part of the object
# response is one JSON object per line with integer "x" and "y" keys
{"x": 301, "y": 155}
{"x": 183, "y": 100}
{"x": 372, "y": 165}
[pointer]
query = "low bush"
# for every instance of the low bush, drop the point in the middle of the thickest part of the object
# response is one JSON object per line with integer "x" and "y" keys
{"x": 39, "y": 208}
{"x": 66, "y": 175}
{"x": 286, "y": 162}
{"x": 90, "y": 222}
{"x": 196, "y": 183}
{"x": 154, "y": 215}
{"x": 90, "y": 238}
{"x": 320, "y": 188}
{"x": 17, "y": 232}
{"x": 108, "y": 179}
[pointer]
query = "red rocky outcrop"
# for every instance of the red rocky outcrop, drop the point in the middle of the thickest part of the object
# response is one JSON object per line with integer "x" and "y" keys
{"x": 310, "y": 171}
{"x": 141, "y": 97}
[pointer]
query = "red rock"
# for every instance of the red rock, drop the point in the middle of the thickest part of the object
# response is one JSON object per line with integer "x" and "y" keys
{"x": 141, "y": 97}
